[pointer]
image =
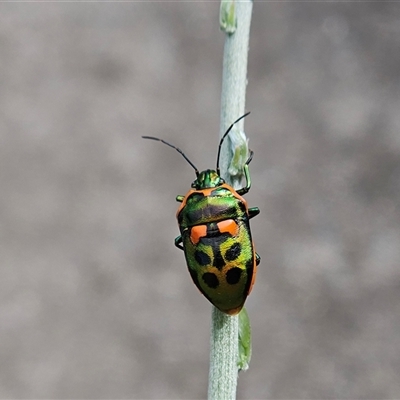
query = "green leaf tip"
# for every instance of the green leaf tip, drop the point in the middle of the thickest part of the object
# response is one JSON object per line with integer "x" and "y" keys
{"x": 244, "y": 341}
{"x": 240, "y": 153}
{"x": 227, "y": 16}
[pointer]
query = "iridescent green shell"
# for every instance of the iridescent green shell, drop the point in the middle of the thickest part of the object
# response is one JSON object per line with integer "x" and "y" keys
{"x": 216, "y": 238}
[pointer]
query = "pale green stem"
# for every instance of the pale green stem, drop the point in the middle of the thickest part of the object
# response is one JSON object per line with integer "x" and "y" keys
{"x": 234, "y": 82}
{"x": 224, "y": 329}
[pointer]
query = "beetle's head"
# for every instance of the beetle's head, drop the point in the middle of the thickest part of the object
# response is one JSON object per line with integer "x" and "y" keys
{"x": 207, "y": 179}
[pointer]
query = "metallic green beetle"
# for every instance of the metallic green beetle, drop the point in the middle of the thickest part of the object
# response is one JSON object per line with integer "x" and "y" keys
{"x": 213, "y": 219}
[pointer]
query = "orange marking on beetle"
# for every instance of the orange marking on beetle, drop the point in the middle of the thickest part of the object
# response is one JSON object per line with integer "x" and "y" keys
{"x": 197, "y": 232}
{"x": 229, "y": 226}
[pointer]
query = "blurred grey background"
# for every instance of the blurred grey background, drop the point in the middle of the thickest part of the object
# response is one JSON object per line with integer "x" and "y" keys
{"x": 96, "y": 302}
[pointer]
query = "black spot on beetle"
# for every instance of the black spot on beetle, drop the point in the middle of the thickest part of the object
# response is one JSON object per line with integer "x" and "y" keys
{"x": 199, "y": 210}
{"x": 233, "y": 252}
{"x": 202, "y": 258}
{"x": 233, "y": 275}
{"x": 218, "y": 262}
{"x": 210, "y": 280}
{"x": 196, "y": 196}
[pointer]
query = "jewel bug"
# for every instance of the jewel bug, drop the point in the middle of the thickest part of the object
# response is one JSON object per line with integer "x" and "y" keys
{"x": 215, "y": 237}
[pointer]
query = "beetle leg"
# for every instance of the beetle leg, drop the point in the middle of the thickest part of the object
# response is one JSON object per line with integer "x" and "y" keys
{"x": 180, "y": 198}
{"x": 258, "y": 259}
{"x": 178, "y": 242}
{"x": 246, "y": 175}
{"x": 253, "y": 211}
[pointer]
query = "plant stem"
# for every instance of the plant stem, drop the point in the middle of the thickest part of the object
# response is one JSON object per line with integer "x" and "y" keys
{"x": 234, "y": 82}
{"x": 224, "y": 328}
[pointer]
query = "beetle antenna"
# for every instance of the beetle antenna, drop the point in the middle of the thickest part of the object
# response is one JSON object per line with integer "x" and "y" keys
{"x": 225, "y": 135}
{"x": 176, "y": 148}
